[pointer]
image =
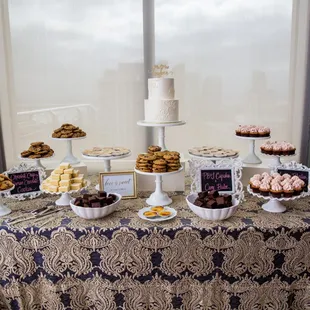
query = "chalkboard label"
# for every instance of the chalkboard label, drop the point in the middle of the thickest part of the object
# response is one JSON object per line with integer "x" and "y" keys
{"x": 25, "y": 182}
{"x": 302, "y": 174}
{"x": 218, "y": 179}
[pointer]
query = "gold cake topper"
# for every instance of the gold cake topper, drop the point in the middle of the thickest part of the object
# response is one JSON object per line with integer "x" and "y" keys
{"x": 160, "y": 71}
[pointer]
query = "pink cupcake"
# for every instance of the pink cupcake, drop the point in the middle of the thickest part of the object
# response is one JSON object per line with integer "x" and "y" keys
{"x": 264, "y": 189}
{"x": 276, "y": 190}
{"x": 253, "y": 132}
{"x": 255, "y": 186}
{"x": 297, "y": 188}
{"x": 288, "y": 190}
{"x": 286, "y": 176}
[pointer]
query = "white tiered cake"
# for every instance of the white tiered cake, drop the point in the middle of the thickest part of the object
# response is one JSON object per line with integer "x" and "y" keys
{"x": 161, "y": 107}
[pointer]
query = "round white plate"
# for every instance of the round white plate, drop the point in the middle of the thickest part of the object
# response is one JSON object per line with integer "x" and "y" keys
{"x": 150, "y": 124}
{"x": 158, "y": 218}
{"x": 69, "y": 139}
{"x": 160, "y": 174}
{"x": 213, "y": 158}
{"x": 33, "y": 159}
{"x": 106, "y": 157}
{"x": 253, "y": 138}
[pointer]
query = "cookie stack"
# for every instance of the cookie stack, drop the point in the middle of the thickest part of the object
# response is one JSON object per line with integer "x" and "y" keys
{"x": 68, "y": 131}
{"x": 5, "y": 182}
{"x": 158, "y": 161}
{"x": 37, "y": 150}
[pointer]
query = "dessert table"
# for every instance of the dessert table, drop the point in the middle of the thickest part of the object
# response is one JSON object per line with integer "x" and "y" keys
{"x": 253, "y": 260}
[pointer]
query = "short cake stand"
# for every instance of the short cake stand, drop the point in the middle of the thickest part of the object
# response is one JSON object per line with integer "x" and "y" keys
{"x": 4, "y": 210}
{"x": 159, "y": 197}
{"x": 70, "y": 158}
{"x": 277, "y": 159}
{"x": 274, "y": 204}
{"x": 161, "y": 130}
{"x": 36, "y": 160}
{"x": 252, "y": 158}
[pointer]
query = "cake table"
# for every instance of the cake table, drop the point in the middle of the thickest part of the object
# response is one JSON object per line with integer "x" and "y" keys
{"x": 159, "y": 197}
{"x": 252, "y": 158}
{"x": 161, "y": 130}
{"x": 37, "y": 161}
{"x": 70, "y": 158}
{"x": 4, "y": 210}
{"x": 274, "y": 204}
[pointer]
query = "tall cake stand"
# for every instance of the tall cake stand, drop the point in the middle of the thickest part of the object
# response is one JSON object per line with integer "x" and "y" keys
{"x": 65, "y": 198}
{"x": 277, "y": 159}
{"x": 36, "y": 160}
{"x": 70, "y": 158}
{"x": 159, "y": 197}
{"x": 4, "y": 210}
{"x": 274, "y": 204}
{"x": 252, "y": 158}
{"x": 161, "y": 130}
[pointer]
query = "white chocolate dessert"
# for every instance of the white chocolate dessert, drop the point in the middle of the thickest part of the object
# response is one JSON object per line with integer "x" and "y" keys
{"x": 64, "y": 179}
{"x": 161, "y": 106}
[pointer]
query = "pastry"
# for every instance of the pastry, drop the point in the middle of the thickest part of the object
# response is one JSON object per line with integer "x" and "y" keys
{"x": 68, "y": 131}
{"x": 150, "y": 214}
{"x": 213, "y": 200}
{"x": 252, "y": 131}
{"x": 164, "y": 213}
{"x": 106, "y": 151}
{"x": 276, "y": 190}
{"x": 157, "y": 208}
{"x": 37, "y": 150}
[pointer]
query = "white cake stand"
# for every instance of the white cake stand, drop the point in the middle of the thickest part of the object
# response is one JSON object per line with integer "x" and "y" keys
{"x": 159, "y": 197}
{"x": 70, "y": 158}
{"x": 4, "y": 210}
{"x": 65, "y": 198}
{"x": 274, "y": 204}
{"x": 213, "y": 159}
{"x": 106, "y": 160}
{"x": 277, "y": 159}
{"x": 161, "y": 130}
{"x": 36, "y": 160}
{"x": 252, "y": 158}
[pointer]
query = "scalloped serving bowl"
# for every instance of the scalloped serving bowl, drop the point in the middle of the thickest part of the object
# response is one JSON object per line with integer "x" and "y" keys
{"x": 212, "y": 214}
{"x": 95, "y": 213}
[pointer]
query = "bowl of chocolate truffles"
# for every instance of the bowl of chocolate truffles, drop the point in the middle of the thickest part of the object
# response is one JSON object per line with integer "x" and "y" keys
{"x": 211, "y": 205}
{"x": 95, "y": 206}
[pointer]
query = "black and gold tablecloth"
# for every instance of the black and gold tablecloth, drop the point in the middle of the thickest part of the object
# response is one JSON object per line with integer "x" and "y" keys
{"x": 254, "y": 260}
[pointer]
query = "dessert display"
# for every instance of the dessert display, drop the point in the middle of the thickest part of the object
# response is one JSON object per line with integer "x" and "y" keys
{"x": 157, "y": 211}
{"x": 68, "y": 131}
{"x": 157, "y": 161}
{"x": 278, "y": 148}
{"x": 213, "y": 200}
{"x": 99, "y": 200}
{"x": 5, "y": 183}
{"x": 277, "y": 185}
{"x": 37, "y": 150}
{"x": 106, "y": 151}
{"x": 206, "y": 151}
{"x": 64, "y": 179}
{"x": 253, "y": 131}
{"x": 161, "y": 106}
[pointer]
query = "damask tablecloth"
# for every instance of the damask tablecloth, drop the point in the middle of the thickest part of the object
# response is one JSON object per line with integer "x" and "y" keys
{"x": 254, "y": 260}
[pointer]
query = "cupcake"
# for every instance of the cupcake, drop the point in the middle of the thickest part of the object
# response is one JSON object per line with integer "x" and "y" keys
{"x": 253, "y": 132}
{"x": 238, "y": 130}
{"x": 264, "y": 189}
{"x": 263, "y": 131}
{"x": 245, "y": 132}
{"x": 255, "y": 186}
{"x": 276, "y": 190}
{"x": 286, "y": 181}
{"x": 285, "y": 149}
{"x": 267, "y": 131}
{"x": 286, "y": 176}
{"x": 276, "y": 174}
{"x": 295, "y": 178}
{"x": 277, "y": 149}
{"x": 288, "y": 190}
{"x": 265, "y": 174}
{"x": 297, "y": 188}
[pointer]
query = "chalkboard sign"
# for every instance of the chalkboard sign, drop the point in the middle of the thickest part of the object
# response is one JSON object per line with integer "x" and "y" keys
{"x": 25, "y": 182}
{"x": 220, "y": 179}
{"x": 302, "y": 174}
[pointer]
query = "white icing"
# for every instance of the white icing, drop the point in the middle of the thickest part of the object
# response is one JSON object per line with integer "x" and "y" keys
{"x": 161, "y": 111}
{"x": 161, "y": 88}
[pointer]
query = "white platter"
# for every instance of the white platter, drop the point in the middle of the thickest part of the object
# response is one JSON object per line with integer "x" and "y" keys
{"x": 168, "y": 124}
{"x": 157, "y": 173}
{"x": 213, "y": 158}
{"x": 106, "y": 157}
{"x": 158, "y": 218}
{"x": 253, "y": 138}
{"x": 69, "y": 139}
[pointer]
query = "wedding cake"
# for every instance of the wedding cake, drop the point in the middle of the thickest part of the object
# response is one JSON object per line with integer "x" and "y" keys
{"x": 161, "y": 106}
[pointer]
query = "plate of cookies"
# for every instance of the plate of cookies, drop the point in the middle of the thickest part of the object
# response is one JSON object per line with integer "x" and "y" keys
{"x": 37, "y": 150}
{"x": 6, "y": 184}
{"x": 68, "y": 132}
{"x": 157, "y": 213}
{"x": 106, "y": 152}
{"x": 158, "y": 162}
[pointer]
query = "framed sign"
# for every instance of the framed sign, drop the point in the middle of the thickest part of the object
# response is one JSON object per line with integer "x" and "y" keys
{"x": 218, "y": 179}
{"x": 293, "y": 168}
{"x": 27, "y": 180}
{"x": 122, "y": 182}
{"x": 223, "y": 176}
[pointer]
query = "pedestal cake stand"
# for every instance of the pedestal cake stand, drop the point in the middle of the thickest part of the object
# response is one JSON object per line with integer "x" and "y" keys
{"x": 70, "y": 158}
{"x": 65, "y": 198}
{"x": 213, "y": 159}
{"x": 277, "y": 159}
{"x": 274, "y": 204}
{"x": 4, "y": 210}
{"x": 161, "y": 130}
{"x": 36, "y": 160}
{"x": 159, "y": 197}
{"x": 252, "y": 158}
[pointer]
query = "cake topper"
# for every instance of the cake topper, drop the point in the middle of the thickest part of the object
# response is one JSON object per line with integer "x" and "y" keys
{"x": 160, "y": 71}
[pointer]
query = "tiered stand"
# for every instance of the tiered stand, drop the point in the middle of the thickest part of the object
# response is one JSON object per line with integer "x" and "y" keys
{"x": 252, "y": 158}
{"x": 274, "y": 204}
{"x": 70, "y": 158}
{"x": 159, "y": 197}
{"x": 4, "y": 210}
